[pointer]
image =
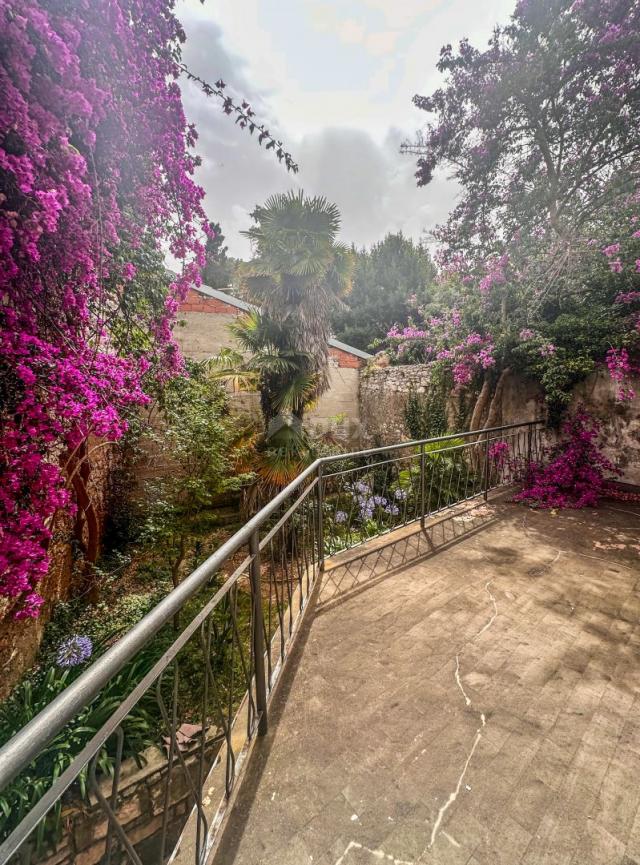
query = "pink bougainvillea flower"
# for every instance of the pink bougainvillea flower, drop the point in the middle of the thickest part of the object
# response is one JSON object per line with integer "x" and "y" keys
{"x": 99, "y": 153}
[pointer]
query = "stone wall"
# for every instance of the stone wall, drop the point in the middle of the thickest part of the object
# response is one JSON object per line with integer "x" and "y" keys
{"x": 384, "y": 392}
{"x": 383, "y": 398}
{"x": 523, "y": 400}
{"x": 621, "y": 422}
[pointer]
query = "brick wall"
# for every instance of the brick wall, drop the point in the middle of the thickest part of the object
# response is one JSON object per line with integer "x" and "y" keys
{"x": 197, "y": 302}
{"x": 344, "y": 359}
{"x": 204, "y": 331}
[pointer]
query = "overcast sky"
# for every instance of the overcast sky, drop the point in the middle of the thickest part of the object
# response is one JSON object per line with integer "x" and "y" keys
{"x": 334, "y": 79}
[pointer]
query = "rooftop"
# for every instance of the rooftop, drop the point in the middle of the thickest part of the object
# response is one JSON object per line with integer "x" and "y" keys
{"x": 232, "y": 300}
{"x": 463, "y": 695}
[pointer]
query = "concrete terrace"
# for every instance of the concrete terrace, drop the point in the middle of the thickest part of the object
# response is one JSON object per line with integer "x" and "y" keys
{"x": 469, "y": 695}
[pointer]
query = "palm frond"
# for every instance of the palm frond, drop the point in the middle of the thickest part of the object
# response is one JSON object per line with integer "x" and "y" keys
{"x": 297, "y": 393}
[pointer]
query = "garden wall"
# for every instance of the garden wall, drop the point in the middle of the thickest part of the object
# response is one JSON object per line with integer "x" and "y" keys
{"x": 384, "y": 392}
{"x": 383, "y": 397}
{"x": 72, "y": 539}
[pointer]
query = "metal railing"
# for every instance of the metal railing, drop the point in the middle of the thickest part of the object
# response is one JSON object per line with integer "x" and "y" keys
{"x": 150, "y": 783}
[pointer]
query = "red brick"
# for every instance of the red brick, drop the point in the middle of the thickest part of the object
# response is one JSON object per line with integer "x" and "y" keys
{"x": 345, "y": 360}
{"x": 196, "y": 302}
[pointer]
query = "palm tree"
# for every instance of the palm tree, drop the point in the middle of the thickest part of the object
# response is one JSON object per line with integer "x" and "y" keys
{"x": 284, "y": 374}
{"x": 299, "y": 273}
{"x": 286, "y": 378}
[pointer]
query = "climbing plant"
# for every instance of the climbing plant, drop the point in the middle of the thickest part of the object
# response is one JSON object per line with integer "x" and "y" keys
{"x": 539, "y": 263}
{"x": 96, "y": 178}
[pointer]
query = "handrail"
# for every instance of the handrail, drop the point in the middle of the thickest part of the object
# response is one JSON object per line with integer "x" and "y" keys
{"x": 429, "y": 441}
{"x": 25, "y": 745}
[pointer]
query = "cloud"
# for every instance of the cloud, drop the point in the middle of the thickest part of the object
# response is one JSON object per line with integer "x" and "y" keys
{"x": 351, "y": 32}
{"x": 380, "y": 43}
{"x": 344, "y": 129}
{"x": 236, "y": 173}
{"x": 372, "y": 184}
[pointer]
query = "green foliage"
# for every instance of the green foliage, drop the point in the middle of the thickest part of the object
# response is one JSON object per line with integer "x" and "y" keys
{"x": 425, "y": 416}
{"x": 141, "y": 298}
{"x": 102, "y": 622}
{"x": 205, "y": 445}
{"x": 375, "y": 500}
{"x": 581, "y": 338}
{"x": 415, "y": 416}
{"x": 199, "y": 434}
{"x": 286, "y": 375}
{"x": 388, "y": 280}
{"x": 219, "y": 269}
{"x": 143, "y": 726}
{"x": 140, "y": 728}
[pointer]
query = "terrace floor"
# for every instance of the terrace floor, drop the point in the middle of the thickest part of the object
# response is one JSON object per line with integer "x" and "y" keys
{"x": 466, "y": 695}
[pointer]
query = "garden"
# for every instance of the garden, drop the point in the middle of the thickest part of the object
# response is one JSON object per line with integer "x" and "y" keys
{"x": 535, "y": 274}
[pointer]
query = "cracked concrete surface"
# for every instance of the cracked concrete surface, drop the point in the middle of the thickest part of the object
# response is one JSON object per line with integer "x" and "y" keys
{"x": 467, "y": 695}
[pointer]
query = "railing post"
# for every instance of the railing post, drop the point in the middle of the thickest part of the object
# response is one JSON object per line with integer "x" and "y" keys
{"x": 422, "y": 486}
{"x": 529, "y": 446}
{"x": 320, "y": 519}
{"x": 258, "y": 634}
{"x": 486, "y": 467}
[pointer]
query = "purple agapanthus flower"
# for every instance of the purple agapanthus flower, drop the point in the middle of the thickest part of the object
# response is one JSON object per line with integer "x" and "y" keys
{"x": 400, "y": 495}
{"x": 340, "y": 517}
{"x": 74, "y": 651}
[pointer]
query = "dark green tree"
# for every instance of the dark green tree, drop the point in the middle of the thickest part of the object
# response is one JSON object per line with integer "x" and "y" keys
{"x": 219, "y": 268}
{"x": 389, "y": 280}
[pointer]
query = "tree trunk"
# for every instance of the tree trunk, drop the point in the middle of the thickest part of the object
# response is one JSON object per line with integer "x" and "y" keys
{"x": 494, "y": 418}
{"x": 481, "y": 403}
{"x": 86, "y": 521}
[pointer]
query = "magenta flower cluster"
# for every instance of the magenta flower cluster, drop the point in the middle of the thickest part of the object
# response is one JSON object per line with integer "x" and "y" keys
{"x": 499, "y": 453}
{"x": 496, "y": 273}
{"x": 621, "y": 368}
{"x": 442, "y": 339}
{"x": 576, "y": 474}
{"x": 94, "y": 150}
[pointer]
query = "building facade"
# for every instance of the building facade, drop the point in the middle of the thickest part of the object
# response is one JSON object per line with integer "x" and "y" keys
{"x": 203, "y": 331}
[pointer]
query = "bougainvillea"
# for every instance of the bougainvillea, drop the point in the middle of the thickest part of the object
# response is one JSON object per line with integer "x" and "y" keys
{"x": 537, "y": 125}
{"x": 95, "y": 162}
{"x": 621, "y": 369}
{"x": 575, "y": 475}
{"x": 443, "y": 339}
{"x": 541, "y": 131}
